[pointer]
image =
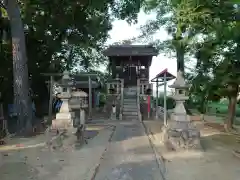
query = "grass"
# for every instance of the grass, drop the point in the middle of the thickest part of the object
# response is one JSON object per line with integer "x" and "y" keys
{"x": 219, "y": 111}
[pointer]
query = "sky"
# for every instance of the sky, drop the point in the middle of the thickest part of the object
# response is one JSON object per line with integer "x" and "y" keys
{"x": 122, "y": 30}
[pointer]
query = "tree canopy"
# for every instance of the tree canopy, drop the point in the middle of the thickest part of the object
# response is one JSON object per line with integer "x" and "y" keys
{"x": 204, "y": 31}
{"x": 61, "y": 34}
{"x": 69, "y": 34}
{"x": 51, "y": 36}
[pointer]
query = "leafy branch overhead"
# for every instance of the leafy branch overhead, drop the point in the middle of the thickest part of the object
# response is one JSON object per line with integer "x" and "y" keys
{"x": 203, "y": 31}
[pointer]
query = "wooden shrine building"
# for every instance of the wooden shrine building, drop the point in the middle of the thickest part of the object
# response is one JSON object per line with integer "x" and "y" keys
{"x": 130, "y": 62}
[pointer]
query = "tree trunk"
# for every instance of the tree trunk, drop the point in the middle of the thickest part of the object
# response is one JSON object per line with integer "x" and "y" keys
{"x": 231, "y": 112}
{"x": 180, "y": 59}
{"x": 22, "y": 100}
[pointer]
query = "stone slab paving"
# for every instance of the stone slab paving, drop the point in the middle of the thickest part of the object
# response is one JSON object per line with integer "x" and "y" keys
{"x": 70, "y": 162}
{"x": 129, "y": 156}
{"x": 217, "y": 162}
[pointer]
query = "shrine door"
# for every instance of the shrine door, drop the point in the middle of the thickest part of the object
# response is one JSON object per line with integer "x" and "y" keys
{"x": 130, "y": 76}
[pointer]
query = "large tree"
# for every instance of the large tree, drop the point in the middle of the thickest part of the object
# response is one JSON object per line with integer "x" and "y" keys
{"x": 218, "y": 54}
{"x": 63, "y": 33}
{"x": 22, "y": 99}
{"x": 208, "y": 29}
{"x": 48, "y": 31}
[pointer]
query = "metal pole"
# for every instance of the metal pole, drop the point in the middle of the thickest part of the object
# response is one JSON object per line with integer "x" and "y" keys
{"x": 89, "y": 98}
{"x": 50, "y": 100}
{"x": 157, "y": 99}
{"x": 165, "y": 99}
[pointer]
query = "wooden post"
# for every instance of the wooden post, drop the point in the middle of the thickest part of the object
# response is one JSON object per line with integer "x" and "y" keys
{"x": 89, "y": 98}
{"x": 148, "y": 105}
{"x": 50, "y": 100}
{"x": 165, "y": 99}
{"x": 157, "y": 99}
{"x": 108, "y": 87}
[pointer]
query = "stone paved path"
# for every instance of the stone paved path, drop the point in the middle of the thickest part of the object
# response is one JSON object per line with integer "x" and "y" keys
{"x": 68, "y": 162}
{"x": 216, "y": 162}
{"x": 129, "y": 156}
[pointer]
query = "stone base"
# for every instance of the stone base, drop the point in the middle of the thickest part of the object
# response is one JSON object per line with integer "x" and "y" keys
{"x": 60, "y": 124}
{"x": 120, "y": 117}
{"x": 113, "y": 116}
{"x": 64, "y": 120}
{"x": 64, "y": 115}
{"x": 176, "y": 138}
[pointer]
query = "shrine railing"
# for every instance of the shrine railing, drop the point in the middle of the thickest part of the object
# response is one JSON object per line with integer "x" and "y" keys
{"x": 143, "y": 85}
{"x": 116, "y": 87}
{"x": 122, "y": 96}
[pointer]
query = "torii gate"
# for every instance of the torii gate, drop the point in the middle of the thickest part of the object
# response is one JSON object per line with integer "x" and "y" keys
{"x": 162, "y": 78}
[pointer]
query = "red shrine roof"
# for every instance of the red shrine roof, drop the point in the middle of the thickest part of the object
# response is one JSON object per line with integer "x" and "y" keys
{"x": 160, "y": 76}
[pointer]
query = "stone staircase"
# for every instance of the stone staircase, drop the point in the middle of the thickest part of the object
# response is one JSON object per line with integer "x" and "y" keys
{"x": 130, "y": 108}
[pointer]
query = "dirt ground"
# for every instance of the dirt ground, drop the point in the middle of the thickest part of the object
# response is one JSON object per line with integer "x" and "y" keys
{"x": 216, "y": 161}
{"x": 64, "y": 159}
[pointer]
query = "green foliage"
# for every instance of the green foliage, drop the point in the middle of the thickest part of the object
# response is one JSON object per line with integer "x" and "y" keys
{"x": 59, "y": 35}
{"x": 170, "y": 102}
{"x": 208, "y": 31}
{"x": 102, "y": 100}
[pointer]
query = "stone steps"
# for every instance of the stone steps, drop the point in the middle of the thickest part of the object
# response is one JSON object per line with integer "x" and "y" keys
{"x": 129, "y": 105}
{"x": 130, "y": 117}
{"x": 129, "y": 100}
{"x": 127, "y": 109}
{"x": 130, "y": 113}
{"x": 130, "y": 110}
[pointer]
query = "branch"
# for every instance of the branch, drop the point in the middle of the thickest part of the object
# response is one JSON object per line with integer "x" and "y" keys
{"x": 2, "y": 5}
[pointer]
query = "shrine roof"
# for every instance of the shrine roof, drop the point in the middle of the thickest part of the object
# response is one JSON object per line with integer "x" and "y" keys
{"x": 160, "y": 76}
{"x": 83, "y": 78}
{"x": 130, "y": 50}
{"x": 82, "y": 82}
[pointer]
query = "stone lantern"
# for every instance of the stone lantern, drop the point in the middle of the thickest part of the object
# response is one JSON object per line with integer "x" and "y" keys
{"x": 78, "y": 103}
{"x": 180, "y": 132}
{"x": 64, "y": 114}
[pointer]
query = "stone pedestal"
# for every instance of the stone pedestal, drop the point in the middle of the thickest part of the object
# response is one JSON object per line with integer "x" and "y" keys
{"x": 180, "y": 132}
{"x": 114, "y": 113}
{"x": 82, "y": 117}
{"x": 65, "y": 114}
{"x": 120, "y": 117}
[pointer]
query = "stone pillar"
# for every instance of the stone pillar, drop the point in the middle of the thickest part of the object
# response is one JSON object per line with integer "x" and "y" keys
{"x": 138, "y": 87}
{"x": 180, "y": 132}
{"x": 108, "y": 87}
{"x": 121, "y": 105}
{"x": 82, "y": 116}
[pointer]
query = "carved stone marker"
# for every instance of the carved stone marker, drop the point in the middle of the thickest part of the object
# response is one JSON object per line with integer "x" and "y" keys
{"x": 180, "y": 132}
